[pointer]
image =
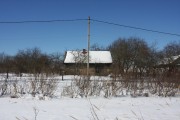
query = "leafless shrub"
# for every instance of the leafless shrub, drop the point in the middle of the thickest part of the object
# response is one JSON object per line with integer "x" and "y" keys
{"x": 84, "y": 85}
{"x": 3, "y": 87}
{"x": 36, "y": 111}
{"x": 165, "y": 84}
{"x": 69, "y": 91}
{"x": 81, "y": 86}
{"x": 15, "y": 90}
{"x": 34, "y": 86}
{"x": 96, "y": 88}
{"x": 43, "y": 85}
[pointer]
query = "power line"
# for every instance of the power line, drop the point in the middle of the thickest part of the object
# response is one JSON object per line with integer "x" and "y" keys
{"x": 138, "y": 28}
{"x": 40, "y": 21}
{"x": 94, "y": 20}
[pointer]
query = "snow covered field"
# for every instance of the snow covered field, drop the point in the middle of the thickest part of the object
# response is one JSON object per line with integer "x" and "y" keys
{"x": 122, "y": 108}
{"x": 62, "y": 107}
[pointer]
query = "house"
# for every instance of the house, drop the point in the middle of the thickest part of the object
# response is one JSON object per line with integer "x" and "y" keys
{"x": 99, "y": 62}
{"x": 170, "y": 65}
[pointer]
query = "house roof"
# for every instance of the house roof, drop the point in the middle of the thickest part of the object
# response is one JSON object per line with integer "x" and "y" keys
{"x": 169, "y": 60}
{"x": 94, "y": 57}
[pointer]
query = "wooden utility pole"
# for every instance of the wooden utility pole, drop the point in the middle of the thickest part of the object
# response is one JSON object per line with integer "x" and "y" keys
{"x": 88, "y": 47}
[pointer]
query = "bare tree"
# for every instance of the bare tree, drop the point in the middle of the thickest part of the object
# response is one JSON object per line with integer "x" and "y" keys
{"x": 141, "y": 56}
{"x": 97, "y": 47}
{"x": 172, "y": 49}
{"x": 132, "y": 57}
{"x": 56, "y": 63}
{"x": 121, "y": 55}
{"x": 6, "y": 64}
{"x": 31, "y": 61}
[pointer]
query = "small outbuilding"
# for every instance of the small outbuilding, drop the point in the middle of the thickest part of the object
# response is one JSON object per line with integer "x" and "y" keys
{"x": 172, "y": 62}
{"x": 170, "y": 65}
{"x": 99, "y": 62}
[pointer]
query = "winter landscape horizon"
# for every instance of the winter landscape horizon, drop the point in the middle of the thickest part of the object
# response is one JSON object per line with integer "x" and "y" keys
{"x": 90, "y": 60}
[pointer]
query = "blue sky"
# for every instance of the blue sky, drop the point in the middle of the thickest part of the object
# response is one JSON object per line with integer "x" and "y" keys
{"x": 160, "y": 15}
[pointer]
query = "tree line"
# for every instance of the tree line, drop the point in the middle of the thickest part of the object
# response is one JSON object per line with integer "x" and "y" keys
{"x": 132, "y": 57}
{"x": 31, "y": 61}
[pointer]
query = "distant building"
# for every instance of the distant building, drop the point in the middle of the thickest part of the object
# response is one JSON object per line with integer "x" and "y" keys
{"x": 171, "y": 64}
{"x": 99, "y": 62}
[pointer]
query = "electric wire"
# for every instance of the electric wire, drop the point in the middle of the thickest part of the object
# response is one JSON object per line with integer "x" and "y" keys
{"x": 40, "y": 21}
{"x": 93, "y": 20}
{"x": 138, "y": 28}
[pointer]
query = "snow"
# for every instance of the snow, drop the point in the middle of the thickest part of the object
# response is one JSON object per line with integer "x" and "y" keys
{"x": 95, "y": 56}
{"x": 122, "y": 108}
{"x": 90, "y": 108}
